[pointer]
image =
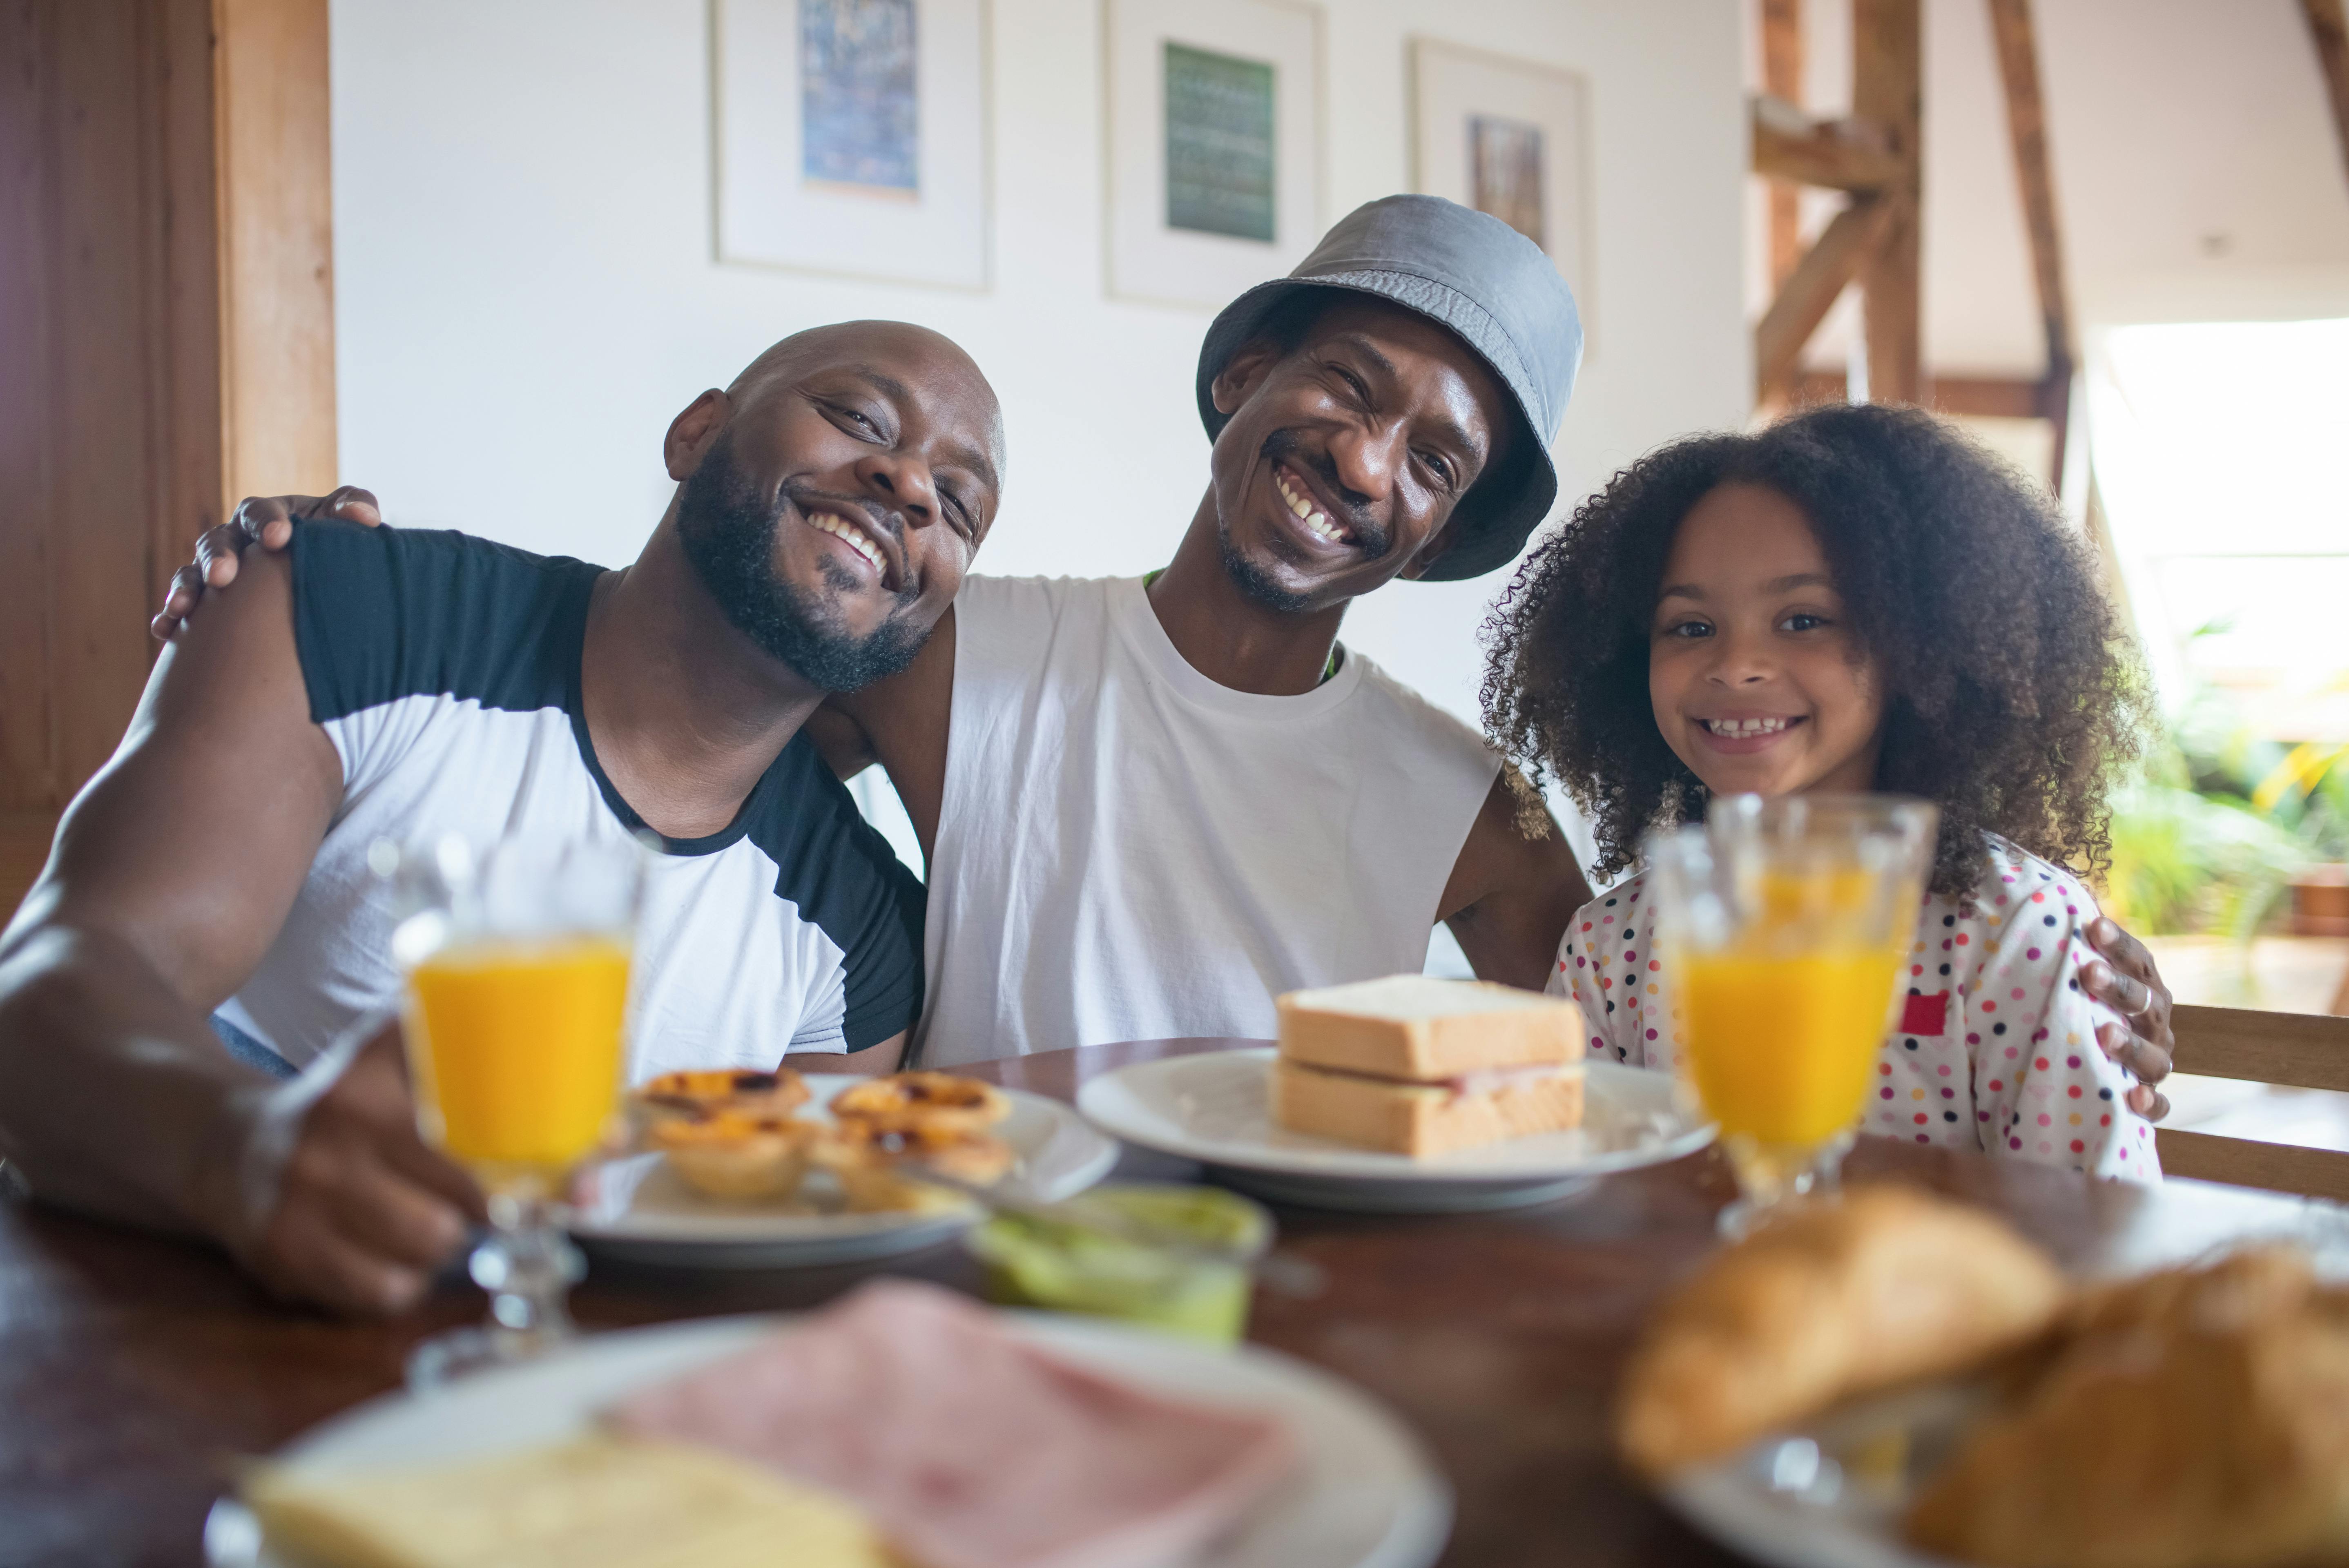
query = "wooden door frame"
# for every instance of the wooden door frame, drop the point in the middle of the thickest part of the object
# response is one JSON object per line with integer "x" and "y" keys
{"x": 166, "y": 341}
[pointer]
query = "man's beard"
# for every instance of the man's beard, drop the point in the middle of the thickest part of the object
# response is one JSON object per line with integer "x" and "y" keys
{"x": 1253, "y": 581}
{"x": 728, "y": 530}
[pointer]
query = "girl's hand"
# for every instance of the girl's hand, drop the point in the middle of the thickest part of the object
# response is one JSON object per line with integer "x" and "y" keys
{"x": 2130, "y": 985}
{"x": 265, "y": 521}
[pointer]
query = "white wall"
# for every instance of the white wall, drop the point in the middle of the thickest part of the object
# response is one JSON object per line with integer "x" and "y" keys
{"x": 525, "y": 292}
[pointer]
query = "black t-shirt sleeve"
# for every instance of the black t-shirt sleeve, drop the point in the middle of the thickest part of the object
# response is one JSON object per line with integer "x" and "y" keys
{"x": 381, "y": 614}
{"x": 845, "y": 878}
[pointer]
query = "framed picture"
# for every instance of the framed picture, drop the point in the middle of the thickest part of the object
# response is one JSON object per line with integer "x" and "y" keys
{"x": 1213, "y": 109}
{"x": 1511, "y": 138}
{"x": 852, "y": 136}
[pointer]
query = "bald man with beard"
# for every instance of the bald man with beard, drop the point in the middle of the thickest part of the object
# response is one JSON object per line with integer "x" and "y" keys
{"x": 374, "y": 684}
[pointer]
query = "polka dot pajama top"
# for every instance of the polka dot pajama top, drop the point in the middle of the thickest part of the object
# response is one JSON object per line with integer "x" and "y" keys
{"x": 1997, "y": 1045}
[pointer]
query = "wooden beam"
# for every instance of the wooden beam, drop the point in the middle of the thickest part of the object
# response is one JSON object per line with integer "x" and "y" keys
{"x": 1781, "y": 76}
{"x": 2247, "y": 1162}
{"x": 1839, "y": 252}
{"x": 2329, "y": 29}
{"x": 1987, "y": 396}
{"x": 1811, "y": 388}
{"x": 1967, "y": 397}
{"x": 2299, "y": 1050}
{"x": 1840, "y": 154}
{"x": 2026, "y": 122}
{"x": 277, "y": 248}
{"x": 1887, "y": 89}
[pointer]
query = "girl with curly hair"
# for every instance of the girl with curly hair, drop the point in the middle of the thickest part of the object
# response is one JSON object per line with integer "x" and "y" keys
{"x": 1853, "y": 599}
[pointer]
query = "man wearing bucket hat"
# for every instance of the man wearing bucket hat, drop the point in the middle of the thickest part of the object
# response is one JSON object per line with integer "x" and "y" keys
{"x": 1161, "y": 801}
{"x": 1152, "y": 804}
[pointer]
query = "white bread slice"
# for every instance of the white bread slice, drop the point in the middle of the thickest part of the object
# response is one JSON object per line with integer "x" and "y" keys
{"x": 592, "y": 1503}
{"x": 1415, "y": 1027}
{"x": 1424, "y": 1119}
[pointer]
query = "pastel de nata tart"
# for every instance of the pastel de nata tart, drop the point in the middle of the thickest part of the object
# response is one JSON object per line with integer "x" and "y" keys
{"x": 866, "y": 1160}
{"x": 733, "y": 1154}
{"x": 904, "y": 1101}
{"x": 709, "y": 1091}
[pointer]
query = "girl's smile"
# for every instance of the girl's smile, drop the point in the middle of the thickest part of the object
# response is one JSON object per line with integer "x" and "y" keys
{"x": 1743, "y": 734}
{"x": 1758, "y": 681}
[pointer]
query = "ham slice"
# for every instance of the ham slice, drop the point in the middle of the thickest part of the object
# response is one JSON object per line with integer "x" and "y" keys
{"x": 968, "y": 1447}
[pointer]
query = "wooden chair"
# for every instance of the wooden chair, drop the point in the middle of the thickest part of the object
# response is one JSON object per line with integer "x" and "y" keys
{"x": 2297, "y": 1050}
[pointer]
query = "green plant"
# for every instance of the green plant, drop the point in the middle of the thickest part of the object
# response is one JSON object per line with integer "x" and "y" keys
{"x": 2210, "y": 835}
{"x": 2183, "y": 860}
{"x": 2308, "y": 792}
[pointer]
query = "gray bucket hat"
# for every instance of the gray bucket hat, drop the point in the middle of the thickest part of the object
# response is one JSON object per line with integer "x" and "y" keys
{"x": 1497, "y": 292}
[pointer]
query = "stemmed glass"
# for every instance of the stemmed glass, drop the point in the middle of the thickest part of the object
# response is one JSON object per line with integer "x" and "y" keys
{"x": 1784, "y": 924}
{"x": 516, "y": 961}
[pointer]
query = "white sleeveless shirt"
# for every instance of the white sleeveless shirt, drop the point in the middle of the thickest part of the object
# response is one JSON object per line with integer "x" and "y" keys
{"x": 1128, "y": 850}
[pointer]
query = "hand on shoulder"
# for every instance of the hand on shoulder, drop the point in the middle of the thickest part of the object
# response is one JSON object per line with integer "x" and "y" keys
{"x": 265, "y": 521}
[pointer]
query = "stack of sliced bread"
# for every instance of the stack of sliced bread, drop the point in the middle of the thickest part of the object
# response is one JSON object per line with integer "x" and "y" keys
{"x": 1423, "y": 1067}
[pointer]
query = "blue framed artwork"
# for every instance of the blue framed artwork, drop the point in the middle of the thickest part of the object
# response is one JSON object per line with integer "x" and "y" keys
{"x": 859, "y": 115}
{"x": 852, "y": 136}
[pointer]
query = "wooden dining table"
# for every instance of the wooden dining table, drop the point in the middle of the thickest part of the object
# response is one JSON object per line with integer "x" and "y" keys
{"x": 135, "y": 1371}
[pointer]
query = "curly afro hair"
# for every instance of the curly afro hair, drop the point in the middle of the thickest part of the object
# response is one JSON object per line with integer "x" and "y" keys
{"x": 2012, "y": 696}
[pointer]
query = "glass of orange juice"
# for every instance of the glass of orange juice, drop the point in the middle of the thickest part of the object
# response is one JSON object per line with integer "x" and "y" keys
{"x": 516, "y": 961}
{"x": 1784, "y": 924}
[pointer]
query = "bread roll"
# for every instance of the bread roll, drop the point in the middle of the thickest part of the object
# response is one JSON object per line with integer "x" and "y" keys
{"x": 2198, "y": 1420}
{"x": 1837, "y": 1296}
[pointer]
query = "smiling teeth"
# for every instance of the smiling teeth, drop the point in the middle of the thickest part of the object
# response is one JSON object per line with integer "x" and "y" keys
{"x": 840, "y": 528}
{"x": 1317, "y": 521}
{"x": 1743, "y": 727}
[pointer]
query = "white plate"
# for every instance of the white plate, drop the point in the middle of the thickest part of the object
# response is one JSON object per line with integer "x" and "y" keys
{"x": 1803, "y": 1500}
{"x": 640, "y": 1211}
{"x": 1213, "y": 1109}
{"x": 1367, "y": 1495}
{"x": 1831, "y": 1493}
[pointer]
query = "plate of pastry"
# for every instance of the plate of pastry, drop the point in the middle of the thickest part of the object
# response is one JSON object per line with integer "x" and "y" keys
{"x": 1891, "y": 1380}
{"x": 901, "y": 1426}
{"x": 1405, "y": 1095}
{"x": 764, "y": 1169}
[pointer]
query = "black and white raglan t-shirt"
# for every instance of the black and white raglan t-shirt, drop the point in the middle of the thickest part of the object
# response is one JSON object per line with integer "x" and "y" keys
{"x": 445, "y": 670}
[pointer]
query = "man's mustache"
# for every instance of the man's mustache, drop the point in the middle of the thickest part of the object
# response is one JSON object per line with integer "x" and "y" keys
{"x": 1359, "y": 517}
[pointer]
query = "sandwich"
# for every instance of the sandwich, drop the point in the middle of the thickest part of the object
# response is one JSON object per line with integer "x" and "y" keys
{"x": 1423, "y": 1067}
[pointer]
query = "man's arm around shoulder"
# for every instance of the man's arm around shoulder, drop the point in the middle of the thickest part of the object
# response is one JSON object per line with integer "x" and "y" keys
{"x": 1515, "y": 887}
